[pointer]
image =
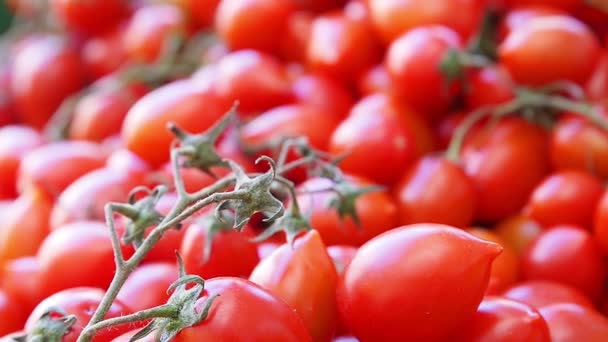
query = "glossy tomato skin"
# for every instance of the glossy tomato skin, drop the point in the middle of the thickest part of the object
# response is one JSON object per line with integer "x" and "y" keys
{"x": 20, "y": 281}
{"x": 12, "y": 314}
{"x": 391, "y": 18}
{"x": 521, "y": 15}
{"x": 500, "y": 319}
{"x": 147, "y": 286}
{"x": 252, "y": 24}
{"x": 305, "y": 277}
{"x": 46, "y": 69}
{"x": 377, "y": 213}
{"x": 15, "y": 142}
{"x": 541, "y": 293}
{"x": 414, "y": 306}
{"x": 565, "y": 197}
{"x": 82, "y": 302}
{"x": 322, "y": 91}
{"x": 491, "y": 85}
{"x": 600, "y": 223}
{"x": 412, "y": 61}
{"x": 375, "y": 80}
{"x": 528, "y": 51}
{"x": 89, "y": 17}
{"x": 341, "y": 255}
{"x": 571, "y": 322}
{"x": 565, "y": 5}
{"x": 518, "y": 232}
{"x": 295, "y": 38}
{"x": 245, "y": 309}
{"x": 505, "y": 161}
{"x": 144, "y": 129}
{"x": 597, "y": 86}
{"x": 569, "y": 255}
{"x": 435, "y": 190}
{"x": 104, "y": 54}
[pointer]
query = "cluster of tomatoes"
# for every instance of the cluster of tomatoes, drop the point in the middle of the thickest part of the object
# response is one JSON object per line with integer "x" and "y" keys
{"x": 483, "y": 122}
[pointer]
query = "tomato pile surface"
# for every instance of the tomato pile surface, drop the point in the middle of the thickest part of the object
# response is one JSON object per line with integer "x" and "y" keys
{"x": 322, "y": 170}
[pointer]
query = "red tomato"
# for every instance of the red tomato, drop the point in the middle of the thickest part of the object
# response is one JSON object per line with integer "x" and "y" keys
{"x": 597, "y": 87}
{"x": 375, "y": 80}
{"x": 600, "y": 224}
{"x": 53, "y": 167}
{"x": 225, "y": 245}
{"x": 528, "y": 51}
{"x": 46, "y": 69}
{"x": 518, "y": 232}
{"x": 540, "y": 293}
{"x": 86, "y": 197}
{"x": 202, "y": 12}
{"x": 377, "y": 213}
{"x": 20, "y": 281}
{"x": 252, "y": 24}
{"x": 24, "y": 225}
{"x": 341, "y": 46}
{"x": 150, "y": 28}
{"x": 341, "y": 255}
{"x": 15, "y": 142}
{"x": 565, "y": 5}
{"x": 90, "y": 17}
{"x": 505, "y": 161}
{"x": 571, "y": 322}
{"x": 295, "y": 39}
{"x": 12, "y": 314}
{"x": 504, "y": 320}
{"x": 491, "y": 85}
{"x": 565, "y": 197}
{"x": 412, "y": 61}
{"x": 566, "y": 254}
{"x": 128, "y": 162}
{"x": 392, "y": 18}
{"x": 304, "y": 276}
{"x": 147, "y": 286}
{"x": 81, "y": 302}
{"x": 379, "y": 140}
{"x": 520, "y": 16}
{"x": 244, "y": 310}
{"x": 426, "y": 295}
{"x": 324, "y": 92}
{"x": 144, "y": 130}
{"x": 104, "y": 54}
{"x": 318, "y": 5}
{"x": 435, "y": 190}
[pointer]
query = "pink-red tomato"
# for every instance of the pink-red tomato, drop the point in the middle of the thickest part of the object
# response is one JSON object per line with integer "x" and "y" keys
{"x": 147, "y": 286}
{"x": 20, "y": 281}
{"x": 341, "y": 255}
{"x": 540, "y": 293}
{"x": 491, "y": 85}
{"x": 104, "y": 54}
{"x": 600, "y": 223}
{"x": 12, "y": 314}
{"x": 571, "y": 322}
{"x": 324, "y": 92}
{"x": 15, "y": 143}
{"x": 91, "y": 16}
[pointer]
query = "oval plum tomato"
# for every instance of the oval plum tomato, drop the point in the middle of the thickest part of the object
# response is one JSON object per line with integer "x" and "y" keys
{"x": 81, "y": 302}
{"x": 577, "y": 143}
{"x": 505, "y": 161}
{"x": 305, "y": 277}
{"x": 20, "y": 281}
{"x": 341, "y": 255}
{"x": 12, "y": 314}
{"x": 341, "y": 46}
{"x": 244, "y": 310}
{"x": 435, "y": 190}
{"x": 295, "y": 38}
{"x": 86, "y": 197}
{"x": 432, "y": 292}
{"x": 218, "y": 257}
{"x": 412, "y": 61}
{"x": 505, "y": 268}
{"x": 491, "y": 85}
{"x": 600, "y": 224}
{"x": 15, "y": 142}
{"x": 89, "y": 17}
{"x": 252, "y": 24}
{"x": 518, "y": 232}
{"x": 391, "y": 18}
{"x": 322, "y": 91}
{"x": 24, "y": 225}
{"x": 128, "y": 162}
{"x": 534, "y": 44}
{"x": 375, "y": 80}
{"x": 568, "y": 255}
{"x": 76, "y": 256}
{"x": 377, "y": 212}
{"x": 147, "y": 286}
{"x": 571, "y": 322}
{"x": 46, "y": 69}
{"x": 152, "y": 27}
{"x": 565, "y": 197}
{"x": 504, "y": 320}
{"x": 520, "y": 16}
{"x": 256, "y": 79}
{"x": 539, "y": 293}
{"x": 104, "y": 54}
{"x": 380, "y": 144}
{"x": 54, "y": 166}
{"x": 144, "y": 129}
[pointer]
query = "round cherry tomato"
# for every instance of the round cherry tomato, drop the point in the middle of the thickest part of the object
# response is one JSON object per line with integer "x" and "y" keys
{"x": 413, "y": 60}
{"x": 81, "y": 302}
{"x": 518, "y": 232}
{"x": 90, "y": 17}
{"x": 528, "y": 52}
{"x": 15, "y": 142}
{"x": 20, "y": 281}
{"x": 569, "y": 255}
{"x": 244, "y": 310}
{"x": 12, "y": 314}
{"x": 304, "y": 276}
{"x": 571, "y": 322}
{"x": 144, "y": 130}
{"x": 427, "y": 293}
{"x": 500, "y": 319}
{"x": 540, "y": 293}
{"x": 377, "y": 213}
{"x": 435, "y": 190}
{"x": 490, "y": 85}
{"x": 565, "y": 197}
{"x": 104, "y": 54}
{"x": 147, "y": 286}
{"x": 323, "y": 92}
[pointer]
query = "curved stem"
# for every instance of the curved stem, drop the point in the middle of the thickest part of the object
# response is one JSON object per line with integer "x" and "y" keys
{"x": 453, "y": 151}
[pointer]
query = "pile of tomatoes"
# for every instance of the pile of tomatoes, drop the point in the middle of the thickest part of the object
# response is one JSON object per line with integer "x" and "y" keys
{"x": 479, "y": 129}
